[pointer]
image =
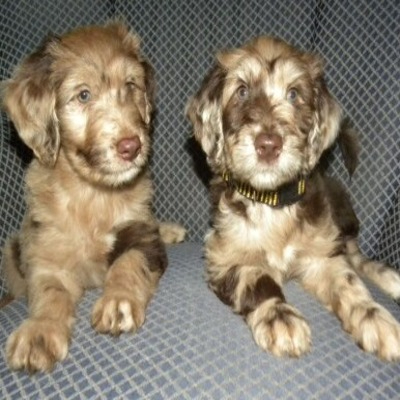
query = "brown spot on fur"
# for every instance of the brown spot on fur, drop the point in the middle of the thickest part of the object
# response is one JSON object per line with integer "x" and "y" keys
{"x": 265, "y": 288}
{"x": 150, "y": 82}
{"x": 342, "y": 210}
{"x": 219, "y": 188}
{"x": 16, "y": 250}
{"x": 16, "y": 255}
{"x": 225, "y": 287}
{"x": 313, "y": 206}
{"x": 238, "y": 207}
{"x": 7, "y": 299}
{"x": 27, "y": 102}
{"x": 214, "y": 83}
{"x": 339, "y": 250}
{"x": 40, "y": 345}
{"x": 206, "y": 101}
{"x": 35, "y": 224}
{"x": 257, "y": 108}
{"x": 336, "y": 304}
{"x": 371, "y": 313}
{"x": 351, "y": 278}
{"x": 271, "y": 64}
{"x": 381, "y": 269}
{"x": 282, "y": 314}
{"x": 349, "y": 146}
{"x": 145, "y": 238}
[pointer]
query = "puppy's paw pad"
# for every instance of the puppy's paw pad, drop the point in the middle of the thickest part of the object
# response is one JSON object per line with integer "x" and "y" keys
{"x": 117, "y": 315}
{"x": 172, "y": 232}
{"x": 376, "y": 331}
{"x": 37, "y": 345}
{"x": 281, "y": 330}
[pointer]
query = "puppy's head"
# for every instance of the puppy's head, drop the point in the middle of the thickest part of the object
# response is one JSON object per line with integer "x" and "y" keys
{"x": 264, "y": 113}
{"x": 88, "y": 94}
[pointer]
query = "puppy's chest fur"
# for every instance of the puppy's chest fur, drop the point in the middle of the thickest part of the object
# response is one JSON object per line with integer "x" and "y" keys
{"x": 252, "y": 233}
{"x": 83, "y": 218}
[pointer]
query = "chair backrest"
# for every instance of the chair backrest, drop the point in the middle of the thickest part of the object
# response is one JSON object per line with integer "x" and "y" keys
{"x": 358, "y": 39}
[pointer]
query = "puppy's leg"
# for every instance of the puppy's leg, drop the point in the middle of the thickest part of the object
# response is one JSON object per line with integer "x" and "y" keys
{"x": 136, "y": 265}
{"x": 172, "y": 232}
{"x": 276, "y": 326}
{"x": 43, "y": 339}
{"x": 13, "y": 271}
{"x": 388, "y": 279}
{"x": 336, "y": 284}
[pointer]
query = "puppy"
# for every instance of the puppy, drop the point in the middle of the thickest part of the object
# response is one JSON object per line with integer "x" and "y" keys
{"x": 264, "y": 116}
{"x": 83, "y": 103}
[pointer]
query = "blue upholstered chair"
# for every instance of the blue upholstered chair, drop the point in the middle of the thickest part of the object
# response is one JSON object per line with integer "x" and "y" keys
{"x": 192, "y": 346}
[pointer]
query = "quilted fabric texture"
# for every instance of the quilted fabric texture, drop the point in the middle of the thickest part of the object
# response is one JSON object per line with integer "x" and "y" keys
{"x": 193, "y": 347}
{"x": 360, "y": 41}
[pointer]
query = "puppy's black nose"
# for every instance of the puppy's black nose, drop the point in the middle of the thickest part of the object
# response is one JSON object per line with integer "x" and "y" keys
{"x": 129, "y": 148}
{"x": 268, "y": 146}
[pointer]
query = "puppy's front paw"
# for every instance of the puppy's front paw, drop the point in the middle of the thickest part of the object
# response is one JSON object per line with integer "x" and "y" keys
{"x": 37, "y": 345}
{"x": 279, "y": 328}
{"x": 117, "y": 314}
{"x": 375, "y": 331}
{"x": 172, "y": 232}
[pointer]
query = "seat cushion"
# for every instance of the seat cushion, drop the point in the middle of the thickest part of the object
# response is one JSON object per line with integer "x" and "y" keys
{"x": 193, "y": 347}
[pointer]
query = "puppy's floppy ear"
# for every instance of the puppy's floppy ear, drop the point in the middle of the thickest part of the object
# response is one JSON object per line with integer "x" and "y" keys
{"x": 328, "y": 113}
{"x": 204, "y": 111}
{"x": 150, "y": 89}
{"x": 349, "y": 145}
{"x": 30, "y": 100}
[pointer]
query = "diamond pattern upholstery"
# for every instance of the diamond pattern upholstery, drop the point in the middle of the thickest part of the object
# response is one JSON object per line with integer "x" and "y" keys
{"x": 192, "y": 346}
{"x": 360, "y": 42}
{"x": 201, "y": 351}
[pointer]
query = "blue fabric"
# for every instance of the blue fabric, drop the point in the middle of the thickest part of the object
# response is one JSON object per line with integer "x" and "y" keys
{"x": 360, "y": 42}
{"x": 193, "y": 347}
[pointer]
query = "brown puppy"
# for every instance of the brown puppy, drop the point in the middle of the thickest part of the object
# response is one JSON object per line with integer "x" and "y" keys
{"x": 83, "y": 104}
{"x": 264, "y": 116}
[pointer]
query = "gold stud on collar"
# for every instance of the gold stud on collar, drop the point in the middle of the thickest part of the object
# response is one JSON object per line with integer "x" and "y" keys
{"x": 285, "y": 195}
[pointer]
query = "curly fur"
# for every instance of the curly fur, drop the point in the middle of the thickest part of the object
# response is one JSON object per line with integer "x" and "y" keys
{"x": 83, "y": 103}
{"x": 264, "y": 113}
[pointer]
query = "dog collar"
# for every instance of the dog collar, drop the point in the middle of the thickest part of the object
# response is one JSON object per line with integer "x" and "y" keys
{"x": 284, "y": 196}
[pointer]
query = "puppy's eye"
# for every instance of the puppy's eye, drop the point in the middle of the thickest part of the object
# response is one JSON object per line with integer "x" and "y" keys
{"x": 84, "y": 96}
{"x": 130, "y": 85}
{"x": 242, "y": 92}
{"x": 292, "y": 95}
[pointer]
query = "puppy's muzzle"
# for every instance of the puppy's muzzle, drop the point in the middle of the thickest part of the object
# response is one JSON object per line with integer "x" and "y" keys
{"x": 129, "y": 148}
{"x": 268, "y": 147}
